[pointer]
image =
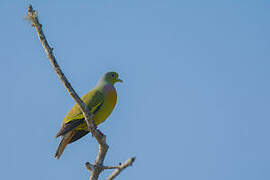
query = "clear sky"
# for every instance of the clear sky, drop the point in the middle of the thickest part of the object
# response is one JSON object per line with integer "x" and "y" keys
{"x": 195, "y": 99}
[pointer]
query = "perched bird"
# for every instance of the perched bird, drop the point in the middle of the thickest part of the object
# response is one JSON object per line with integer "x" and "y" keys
{"x": 100, "y": 101}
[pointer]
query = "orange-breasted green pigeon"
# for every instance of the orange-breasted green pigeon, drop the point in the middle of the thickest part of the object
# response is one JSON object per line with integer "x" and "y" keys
{"x": 100, "y": 101}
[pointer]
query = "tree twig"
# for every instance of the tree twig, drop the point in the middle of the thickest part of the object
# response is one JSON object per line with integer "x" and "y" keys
{"x": 97, "y": 167}
{"x": 121, "y": 168}
{"x": 110, "y": 167}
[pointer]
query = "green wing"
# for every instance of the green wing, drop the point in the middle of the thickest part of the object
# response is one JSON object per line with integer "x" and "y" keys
{"x": 94, "y": 100}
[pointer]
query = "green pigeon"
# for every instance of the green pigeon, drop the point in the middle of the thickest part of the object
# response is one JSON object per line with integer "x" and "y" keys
{"x": 101, "y": 101}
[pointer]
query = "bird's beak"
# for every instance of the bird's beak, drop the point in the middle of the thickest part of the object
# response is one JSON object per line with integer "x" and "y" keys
{"x": 119, "y": 80}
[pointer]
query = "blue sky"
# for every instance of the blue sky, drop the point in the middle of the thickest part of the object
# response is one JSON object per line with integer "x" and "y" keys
{"x": 195, "y": 99}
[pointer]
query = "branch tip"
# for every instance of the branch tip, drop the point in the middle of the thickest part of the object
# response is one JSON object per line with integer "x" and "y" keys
{"x": 120, "y": 168}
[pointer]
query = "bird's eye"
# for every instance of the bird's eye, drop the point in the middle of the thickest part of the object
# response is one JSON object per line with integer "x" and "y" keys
{"x": 112, "y": 75}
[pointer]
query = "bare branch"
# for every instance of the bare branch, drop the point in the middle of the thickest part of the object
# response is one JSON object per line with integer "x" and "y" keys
{"x": 110, "y": 167}
{"x": 97, "y": 167}
{"x": 33, "y": 18}
{"x": 103, "y": 147}
{"x": 121, "y": 168}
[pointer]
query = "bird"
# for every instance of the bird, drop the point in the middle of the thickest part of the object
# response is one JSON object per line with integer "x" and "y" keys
{"x": 101, "y": 101}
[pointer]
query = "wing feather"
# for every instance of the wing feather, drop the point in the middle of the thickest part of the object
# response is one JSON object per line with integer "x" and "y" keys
{"x": 94, "y": 100}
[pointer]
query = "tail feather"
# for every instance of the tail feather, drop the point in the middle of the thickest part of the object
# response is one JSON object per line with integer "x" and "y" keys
{"x": 65, "y": 140}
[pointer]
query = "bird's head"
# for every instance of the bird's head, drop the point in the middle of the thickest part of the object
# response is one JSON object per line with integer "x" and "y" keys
{"x": 111, "y": 77}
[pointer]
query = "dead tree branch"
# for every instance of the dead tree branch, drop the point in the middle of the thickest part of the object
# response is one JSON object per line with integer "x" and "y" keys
{"x": 97, "y": 167}
{"x": 120, "y": 168}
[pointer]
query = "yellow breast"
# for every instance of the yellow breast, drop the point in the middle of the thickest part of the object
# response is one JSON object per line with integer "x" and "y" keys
{"x": 110, "y": 98}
